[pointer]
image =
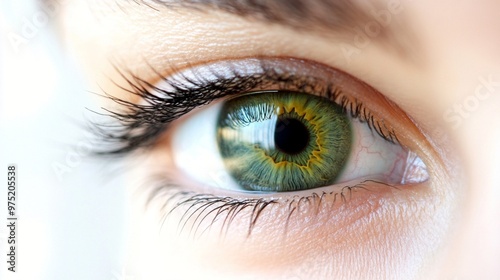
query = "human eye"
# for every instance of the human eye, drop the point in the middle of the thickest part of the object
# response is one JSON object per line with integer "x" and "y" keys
{"x": 307, "y": 131}
{"x": 247, "y": 139}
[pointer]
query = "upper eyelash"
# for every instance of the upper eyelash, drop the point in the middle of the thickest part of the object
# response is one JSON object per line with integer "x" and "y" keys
{"x": 140, "y": 124}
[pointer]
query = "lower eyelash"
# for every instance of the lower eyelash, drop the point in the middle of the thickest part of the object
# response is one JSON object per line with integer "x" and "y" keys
{"x": 223, "y": 207}
{"x": 196, "y": 208}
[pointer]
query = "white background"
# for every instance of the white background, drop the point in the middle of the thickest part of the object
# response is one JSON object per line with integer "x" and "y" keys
{"x": 70, "y": 205}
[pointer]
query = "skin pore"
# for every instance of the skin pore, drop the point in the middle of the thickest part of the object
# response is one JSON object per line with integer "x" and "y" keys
{"x": 432, "y": 60}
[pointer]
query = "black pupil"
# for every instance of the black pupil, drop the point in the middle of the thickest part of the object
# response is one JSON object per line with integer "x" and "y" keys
{"x": 291, "y": 136}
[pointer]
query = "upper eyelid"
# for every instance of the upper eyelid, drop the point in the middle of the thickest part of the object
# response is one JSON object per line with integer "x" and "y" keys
{"x": 142, "y": 122}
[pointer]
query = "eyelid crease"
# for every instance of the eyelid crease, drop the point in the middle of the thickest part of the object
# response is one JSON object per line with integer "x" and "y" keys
{"x": 139, "y": 125}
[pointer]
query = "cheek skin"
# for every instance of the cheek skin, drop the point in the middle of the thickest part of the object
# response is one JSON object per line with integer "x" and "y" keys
{"x": 475, "y": 249}
{"x": 466, "y": 45}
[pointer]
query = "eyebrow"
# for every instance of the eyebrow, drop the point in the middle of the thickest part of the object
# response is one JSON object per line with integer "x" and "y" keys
{"x": 339, "y": 15}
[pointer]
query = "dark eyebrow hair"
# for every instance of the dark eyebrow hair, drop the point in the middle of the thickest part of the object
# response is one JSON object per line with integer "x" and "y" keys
{"x": 301, "y": 14}
{"x": 342, "y": 17}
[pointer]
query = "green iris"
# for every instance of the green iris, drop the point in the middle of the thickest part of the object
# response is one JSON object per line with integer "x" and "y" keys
{"x": 283, "y": 141}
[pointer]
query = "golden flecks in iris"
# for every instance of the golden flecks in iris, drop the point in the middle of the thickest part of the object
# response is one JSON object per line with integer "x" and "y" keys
{"x": 257, "y": 167}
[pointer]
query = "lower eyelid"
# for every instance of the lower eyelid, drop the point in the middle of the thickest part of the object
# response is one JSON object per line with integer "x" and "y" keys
{"x": 195, "y": 213}
{"x": 372, "y": 219}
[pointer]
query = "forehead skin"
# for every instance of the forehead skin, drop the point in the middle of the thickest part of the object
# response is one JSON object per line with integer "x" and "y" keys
{"x": 451, "y": 48}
